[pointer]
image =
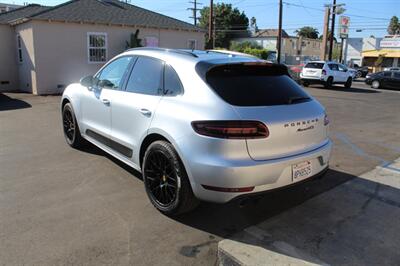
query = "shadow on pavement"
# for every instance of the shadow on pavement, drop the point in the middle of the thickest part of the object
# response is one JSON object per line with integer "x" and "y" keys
{"x": 355, "y": 224}
{"x": 340, "y": 88}
{"x": 226, "y": 219}
{"x": 8, "y": 103}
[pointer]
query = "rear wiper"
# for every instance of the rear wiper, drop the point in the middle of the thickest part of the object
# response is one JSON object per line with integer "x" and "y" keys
{"x": 293, "y": 100}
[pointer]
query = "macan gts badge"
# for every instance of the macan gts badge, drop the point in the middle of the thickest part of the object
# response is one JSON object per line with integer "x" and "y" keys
{"x": 199, "y": 125}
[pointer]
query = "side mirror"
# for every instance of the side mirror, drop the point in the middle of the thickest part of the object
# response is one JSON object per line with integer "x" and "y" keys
{"x": 87, "y": 81}
{"x": 105, "y": 83}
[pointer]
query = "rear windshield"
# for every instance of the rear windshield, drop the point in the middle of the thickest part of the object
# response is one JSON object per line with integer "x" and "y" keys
{"x": 256, "y": 85}
{"x": 315, "y": 65}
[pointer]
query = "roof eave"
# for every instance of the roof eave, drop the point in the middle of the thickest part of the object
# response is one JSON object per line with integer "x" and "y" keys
{"x": 23, "y": 20}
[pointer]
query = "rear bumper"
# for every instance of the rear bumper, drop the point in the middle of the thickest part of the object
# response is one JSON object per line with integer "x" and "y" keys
{"x": 262, "y": 175}
{"x": 312, "y": 81}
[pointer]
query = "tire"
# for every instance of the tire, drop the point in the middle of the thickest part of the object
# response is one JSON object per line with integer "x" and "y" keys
{"x": 305, "y": 83}
{"x": 358, "y": 74}
{"x": 166, "y": 182}
{"x": 329, "y": 82}
{"x": 70, "y": 127}
{"x": 348, "y": 83}
{"x": 375, "y": 84}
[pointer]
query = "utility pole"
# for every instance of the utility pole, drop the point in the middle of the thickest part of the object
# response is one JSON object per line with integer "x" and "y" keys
{"x": 341, "y": 50}
{"x": 278, "y": 47}
{"x": 210, "y": 25}
{"x": 194, "y": 9}
{"x": 332, "y": 30}
{"x": 325, "y": 33}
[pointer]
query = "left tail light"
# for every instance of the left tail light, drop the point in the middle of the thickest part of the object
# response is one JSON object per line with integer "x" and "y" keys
{"x": 231, "y": 129}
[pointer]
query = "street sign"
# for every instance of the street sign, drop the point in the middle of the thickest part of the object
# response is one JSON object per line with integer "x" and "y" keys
{"x": 344, "y": 23}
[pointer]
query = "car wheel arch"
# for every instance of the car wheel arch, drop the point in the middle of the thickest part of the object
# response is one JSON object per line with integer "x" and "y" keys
{"x": 154, "y": 135}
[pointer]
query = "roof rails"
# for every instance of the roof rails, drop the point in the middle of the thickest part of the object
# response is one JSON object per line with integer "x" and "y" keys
{"x": 182, "y": 52}
{"x": 231, "y": 53}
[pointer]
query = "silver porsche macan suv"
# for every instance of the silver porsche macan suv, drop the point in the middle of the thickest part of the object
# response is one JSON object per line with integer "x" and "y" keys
{"x": 199, "y": 125}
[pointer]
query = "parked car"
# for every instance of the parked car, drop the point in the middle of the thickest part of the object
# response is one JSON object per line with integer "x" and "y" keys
{"x": 361, "y": 71}
{"x": 391, "y": 69}
{"x": 199, "y": 125}
{"x": 326, "y": 73}
{"x": 384, "y": 79}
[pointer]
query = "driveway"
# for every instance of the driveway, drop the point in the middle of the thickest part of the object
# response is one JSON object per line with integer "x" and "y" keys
{"x": 64, "y": 206}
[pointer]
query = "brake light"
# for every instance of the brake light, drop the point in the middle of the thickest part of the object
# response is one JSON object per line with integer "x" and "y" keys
{"x": 323, "y": 72}
{"x": 231, "y": 129}
{"x": 326, "y": 120}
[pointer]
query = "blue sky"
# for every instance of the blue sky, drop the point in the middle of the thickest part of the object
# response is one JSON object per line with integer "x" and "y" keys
{"x": 372, "y": 16}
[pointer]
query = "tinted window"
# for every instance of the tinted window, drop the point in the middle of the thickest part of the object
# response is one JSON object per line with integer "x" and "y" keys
{"x": 315, "y": 65}
{"x": 334, "y": 67}
{"x": 387, "y": 74}
{"x": 146, "y": 76}
{"x": 397, "y": 75}
{"x": 254, "y": 85}
{"x": 342, "y": 68}
{"x": 172, "y": 84}
{"x": 115, "y": 71}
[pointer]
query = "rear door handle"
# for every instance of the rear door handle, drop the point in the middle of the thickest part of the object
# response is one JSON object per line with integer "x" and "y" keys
{"x": 145, "y": 112}
{"x": 106, "y": 101}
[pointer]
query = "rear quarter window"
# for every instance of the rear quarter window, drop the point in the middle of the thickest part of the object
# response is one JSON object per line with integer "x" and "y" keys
{"x": 258, "y": 85}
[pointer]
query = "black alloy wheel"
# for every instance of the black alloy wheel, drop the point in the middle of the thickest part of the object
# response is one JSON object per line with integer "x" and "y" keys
{"x": 70, "y": 127}
{"x": 166, "y": 182}
{"x": 329, "y": 83}
{"x": 161, "y": 178}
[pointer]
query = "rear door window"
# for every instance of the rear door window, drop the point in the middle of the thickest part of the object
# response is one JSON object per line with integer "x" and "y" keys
{"x": 257, "y": 85}
{"x": 315, "y": 65}
{"x": 146, "y": 76}
{"x": 333, "y": 67}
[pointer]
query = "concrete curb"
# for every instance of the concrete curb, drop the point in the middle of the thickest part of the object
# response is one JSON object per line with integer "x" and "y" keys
{"x": 254, "y": 246}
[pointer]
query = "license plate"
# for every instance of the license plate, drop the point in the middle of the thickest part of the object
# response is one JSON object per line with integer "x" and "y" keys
{"x": 301, "y": 170}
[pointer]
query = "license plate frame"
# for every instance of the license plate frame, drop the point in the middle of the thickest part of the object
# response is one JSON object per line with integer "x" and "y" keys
{"x": 301, "y": 171}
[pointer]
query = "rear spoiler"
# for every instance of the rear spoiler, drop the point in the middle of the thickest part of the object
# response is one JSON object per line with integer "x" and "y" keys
{"x": 204, "y": 67}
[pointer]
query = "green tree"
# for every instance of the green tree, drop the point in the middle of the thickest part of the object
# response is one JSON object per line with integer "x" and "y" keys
{"x": 307, "y": 32}
{"x": 229, "y": 23}
{"x": 394, "y": 26}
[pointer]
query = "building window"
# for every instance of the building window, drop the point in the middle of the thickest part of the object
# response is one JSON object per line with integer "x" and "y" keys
{"x": 151, "y": 41}
{"x": 192, "y": 44}
{"x": 19, "y": 49}
{"x": 97, "y": 47}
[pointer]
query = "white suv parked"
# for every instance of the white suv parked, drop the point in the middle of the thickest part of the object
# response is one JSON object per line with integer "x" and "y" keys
{"x": 326, "y": 73}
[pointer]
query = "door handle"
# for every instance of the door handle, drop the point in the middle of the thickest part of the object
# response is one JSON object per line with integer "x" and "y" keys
{"x": 145, "y": 112}
{"x": 105, "y": 101}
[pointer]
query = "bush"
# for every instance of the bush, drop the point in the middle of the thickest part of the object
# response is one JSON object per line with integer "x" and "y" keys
{"x": 260, "y": 53}
{"x": 240, "y": 46}
{"x": 250, "y": 48}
